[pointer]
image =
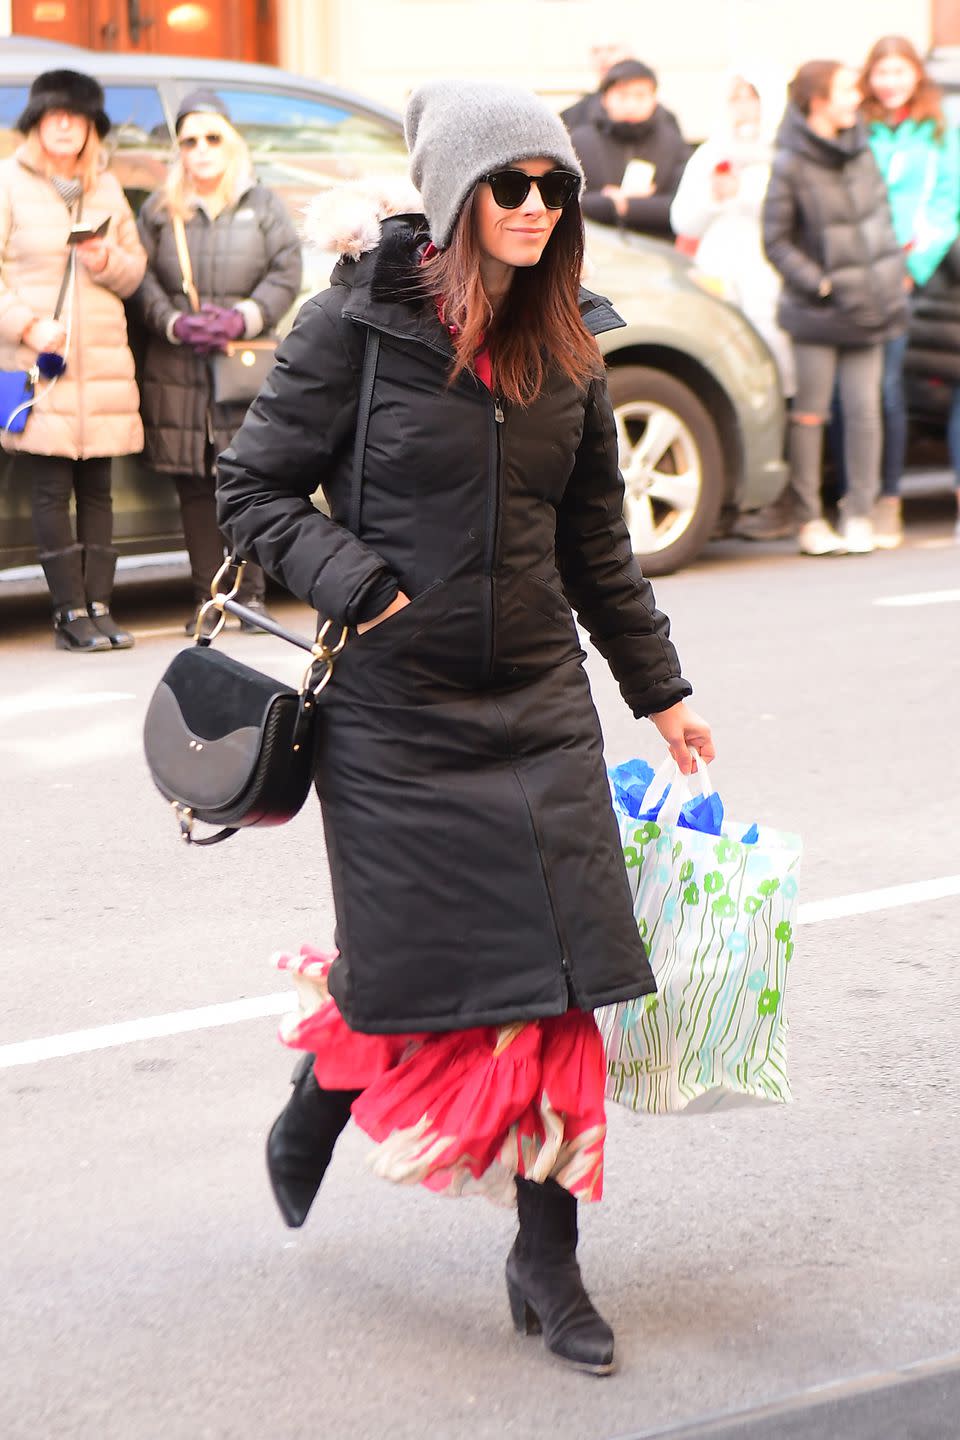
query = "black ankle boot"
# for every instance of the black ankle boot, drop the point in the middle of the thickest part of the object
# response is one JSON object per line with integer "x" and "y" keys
{"x": 301, "y": 1141}
{"x": 74, "y": 630}
{"x": 72, "y": 627}
{"x": 544, "y": 1284}
{"x": 99, "y": 567}
{"x": 105, "y": 623}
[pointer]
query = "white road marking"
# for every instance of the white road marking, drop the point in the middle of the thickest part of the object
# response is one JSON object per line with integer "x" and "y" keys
{"x": 208, "y": 1017}
{"x": 40, "y": 701}
{"x": 922, "y": 597}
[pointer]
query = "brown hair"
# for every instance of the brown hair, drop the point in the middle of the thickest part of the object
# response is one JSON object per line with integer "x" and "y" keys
{"x": 90, "y": 161}
{"x": 812, "y": 82}
{"x": 540, "y": 323}
{"x": 926, "y": 102}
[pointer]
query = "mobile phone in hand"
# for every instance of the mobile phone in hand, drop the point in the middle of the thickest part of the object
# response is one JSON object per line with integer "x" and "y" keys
{"x": 79, "y": 233}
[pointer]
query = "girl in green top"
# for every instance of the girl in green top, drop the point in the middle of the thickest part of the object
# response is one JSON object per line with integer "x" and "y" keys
{"x": 919, "y": 158}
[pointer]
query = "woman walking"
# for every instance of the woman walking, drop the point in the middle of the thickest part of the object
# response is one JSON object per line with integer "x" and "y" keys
{"x": 827, "y": 230}
{"x": 245, "y": 261}
{"x": 64, "y": 301}
{"x": 919, "y": 158}
{"x": 481, "y": 900}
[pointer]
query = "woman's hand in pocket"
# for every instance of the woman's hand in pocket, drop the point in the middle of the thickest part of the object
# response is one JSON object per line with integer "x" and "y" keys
{"x": 399, "y": 602}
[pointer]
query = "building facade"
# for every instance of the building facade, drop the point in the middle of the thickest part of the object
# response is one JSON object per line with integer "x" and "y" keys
{"x": 385, "y": 47}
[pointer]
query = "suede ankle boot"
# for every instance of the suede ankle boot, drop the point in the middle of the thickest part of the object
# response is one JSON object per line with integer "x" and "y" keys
{"x": 544, "y": 1285}
{"x": 301, "y": 1141}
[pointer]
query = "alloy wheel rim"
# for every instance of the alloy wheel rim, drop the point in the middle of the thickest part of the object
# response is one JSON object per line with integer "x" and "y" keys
{"x": 662, "y": 474}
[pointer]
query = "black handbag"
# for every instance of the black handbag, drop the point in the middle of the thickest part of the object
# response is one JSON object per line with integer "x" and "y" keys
{"x": 238, "y": 372}
{"x": 227, "y": 744}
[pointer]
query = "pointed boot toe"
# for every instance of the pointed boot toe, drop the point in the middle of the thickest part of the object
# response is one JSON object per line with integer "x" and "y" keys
{"x": 301, "y": 1140}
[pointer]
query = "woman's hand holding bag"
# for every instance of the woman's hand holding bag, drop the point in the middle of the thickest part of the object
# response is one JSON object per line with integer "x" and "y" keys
{"x": 685, "y": 732}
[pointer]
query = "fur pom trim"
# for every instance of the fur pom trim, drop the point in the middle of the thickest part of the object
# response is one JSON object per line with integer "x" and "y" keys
{"x": 347, "y": 218}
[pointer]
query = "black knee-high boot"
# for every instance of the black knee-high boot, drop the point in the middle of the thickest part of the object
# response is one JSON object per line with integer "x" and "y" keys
{"x": 99, "y": 566}
{"x": 544, "y": 1283}
{"x": 301, "y": 1141}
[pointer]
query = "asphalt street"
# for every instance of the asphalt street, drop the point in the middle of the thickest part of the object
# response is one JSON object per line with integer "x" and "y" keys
{"x": 149, "y": 1287}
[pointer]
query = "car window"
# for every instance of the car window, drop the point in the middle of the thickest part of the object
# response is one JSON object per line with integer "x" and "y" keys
{"x": 136, "y": 114}
{"x": 13, "y": 98}
{"x": 139, "y": 142}
{"x": 301, "y": 143}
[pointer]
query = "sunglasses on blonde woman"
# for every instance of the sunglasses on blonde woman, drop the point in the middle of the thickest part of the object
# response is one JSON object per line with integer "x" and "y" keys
{"x": 190, "y": 142}
{"x": 511, "y": 187}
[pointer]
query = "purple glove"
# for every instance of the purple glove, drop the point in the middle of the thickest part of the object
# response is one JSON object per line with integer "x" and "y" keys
{"x": 223, "y": 325}
{"x": 191, "y": 330}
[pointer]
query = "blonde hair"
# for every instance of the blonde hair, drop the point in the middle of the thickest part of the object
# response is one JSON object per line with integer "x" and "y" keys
{"x": 91, "y": 161}
{"x": 180, "y": 199}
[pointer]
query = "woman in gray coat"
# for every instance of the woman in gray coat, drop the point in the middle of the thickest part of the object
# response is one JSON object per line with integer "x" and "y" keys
{"x": 246, "y": 262}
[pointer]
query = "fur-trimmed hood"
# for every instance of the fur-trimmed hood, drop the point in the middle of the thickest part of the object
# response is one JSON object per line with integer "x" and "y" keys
{"x": 347, "y": 220}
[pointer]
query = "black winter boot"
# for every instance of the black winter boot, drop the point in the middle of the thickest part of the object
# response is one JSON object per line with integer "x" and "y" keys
{"x": 99, "y": 565}
{"x": 543, "y": 1280}
{"x": 301, "y": 1141}
{"x": 72, "y": 627}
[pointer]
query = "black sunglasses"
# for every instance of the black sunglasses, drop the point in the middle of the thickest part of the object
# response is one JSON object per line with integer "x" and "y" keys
{"x": 511, "y": 187}
{"x": 190, "y": 142}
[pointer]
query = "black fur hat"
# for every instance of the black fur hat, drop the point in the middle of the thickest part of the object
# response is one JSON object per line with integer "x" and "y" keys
{"x": 65, "y": 90}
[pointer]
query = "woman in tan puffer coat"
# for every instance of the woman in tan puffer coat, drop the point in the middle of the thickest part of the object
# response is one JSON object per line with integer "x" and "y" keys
{"x": 56, "y": 179}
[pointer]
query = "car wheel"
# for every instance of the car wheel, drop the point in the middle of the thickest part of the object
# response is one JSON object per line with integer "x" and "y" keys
{"x": 672, "y": 467}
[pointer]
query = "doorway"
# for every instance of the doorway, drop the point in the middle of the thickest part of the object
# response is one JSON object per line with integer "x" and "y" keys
{"x": 212, "y": 29}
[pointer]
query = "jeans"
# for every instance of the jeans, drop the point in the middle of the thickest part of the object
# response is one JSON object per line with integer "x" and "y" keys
{"x": 53, "y": 480}
{"x": 953, "y": 434}
{"x": 894, "y": 415}
{"x": 858, "y": 374}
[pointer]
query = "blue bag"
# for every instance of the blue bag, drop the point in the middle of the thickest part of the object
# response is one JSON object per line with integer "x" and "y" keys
{"x": 16, "y": 398}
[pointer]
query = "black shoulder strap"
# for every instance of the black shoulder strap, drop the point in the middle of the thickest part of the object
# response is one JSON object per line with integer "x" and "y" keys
{"x": 371, "y": 354}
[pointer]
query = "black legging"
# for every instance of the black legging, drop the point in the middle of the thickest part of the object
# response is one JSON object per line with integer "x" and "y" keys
{"x": 53, "y": 480}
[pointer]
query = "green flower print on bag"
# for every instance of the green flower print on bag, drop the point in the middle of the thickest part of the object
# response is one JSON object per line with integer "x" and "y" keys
{"x": 768, "y": 1002}
{"x": 686, "y": 871}
{"x": 691, "y": 895}
{"x": 713, "y": 882}
{"x": 724, "y": 907}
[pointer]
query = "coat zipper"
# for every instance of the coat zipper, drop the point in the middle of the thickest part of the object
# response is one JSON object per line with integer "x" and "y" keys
{"x": 493, "y": 534}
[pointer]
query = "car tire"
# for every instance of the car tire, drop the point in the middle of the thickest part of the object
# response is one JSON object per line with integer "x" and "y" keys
{"x": 672, "y": 465}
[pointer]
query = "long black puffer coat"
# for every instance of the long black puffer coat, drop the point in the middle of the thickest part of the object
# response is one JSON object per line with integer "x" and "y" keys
{"x": 934, "y": 349}
{"x": 827, "y": 217}
{"x": 477, "y": 871}
{"x": 249, "y": 252}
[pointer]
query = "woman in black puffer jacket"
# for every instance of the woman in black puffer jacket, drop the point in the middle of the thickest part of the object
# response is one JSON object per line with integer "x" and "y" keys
{"x": 246, "y": 262}
{"x": 827, "y": 229}
{"x": 481, "y": 900}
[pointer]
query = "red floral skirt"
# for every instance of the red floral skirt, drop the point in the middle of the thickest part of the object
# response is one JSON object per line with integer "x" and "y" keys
{"x": 464, "y": 1111}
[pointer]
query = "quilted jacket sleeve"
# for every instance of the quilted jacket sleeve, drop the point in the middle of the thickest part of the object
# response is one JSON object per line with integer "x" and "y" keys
{"x": 780, "y": 222}
{"x": 151, "y": 302}
{"x": 293, "y": 433}
{"x": 601, "y": 577}
{"x": 277, "y": 290}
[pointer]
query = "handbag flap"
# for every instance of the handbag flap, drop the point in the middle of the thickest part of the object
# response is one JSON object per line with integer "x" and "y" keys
{"x": 206, "y": 726}
{"x": 216, "y": 695}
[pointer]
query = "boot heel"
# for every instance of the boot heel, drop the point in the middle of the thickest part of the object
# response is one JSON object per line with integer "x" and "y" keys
{"x": 525, "y": 1320}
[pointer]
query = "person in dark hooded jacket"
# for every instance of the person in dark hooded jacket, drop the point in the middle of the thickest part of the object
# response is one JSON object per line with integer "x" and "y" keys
{"x": 828, "y": 230}
{"x": 632, "y": 153}
{"x": 481, "y": 898}
{"x": 246, "y": 262}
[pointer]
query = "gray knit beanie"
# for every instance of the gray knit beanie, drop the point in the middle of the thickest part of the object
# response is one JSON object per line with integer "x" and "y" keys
{"x": 460, "y": 130}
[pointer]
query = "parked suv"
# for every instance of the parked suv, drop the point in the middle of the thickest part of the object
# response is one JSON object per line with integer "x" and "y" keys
{"x": 698, "y": 404}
